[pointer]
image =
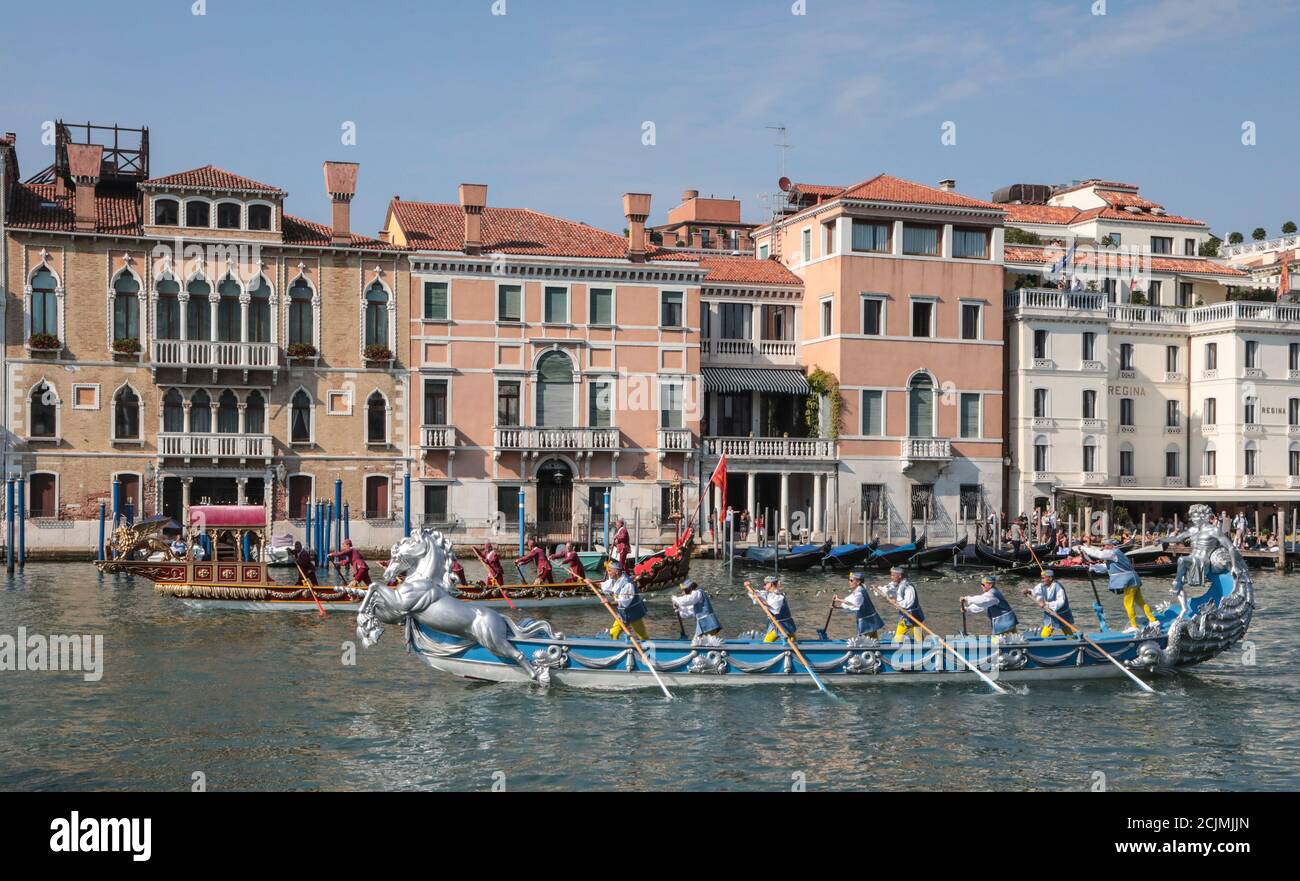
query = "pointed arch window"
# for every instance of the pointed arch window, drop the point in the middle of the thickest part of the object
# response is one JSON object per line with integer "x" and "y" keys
{"x": 45, "y": 303}
{"x": 126, "y": 307}
{"x": 376, "y": 315}
{"x": 300, "y": 313}
{"x": 44, "y": 409}
{"x": 228, "y": 308}
{"x": 259, "y": 312}
{"x": 126, "y": 414}
{"x": 200, "y": 413}
{"x": 167, "y": 313}
{"x": 920, "y": 406}
{"x": 198, "y": 312}
{"x": 376, "y": 419}
{"x": 173, "y": 412}
{"x": 300, "y": 418}
{"x": 255, "y": 414}
{"x": 227, "y": 413}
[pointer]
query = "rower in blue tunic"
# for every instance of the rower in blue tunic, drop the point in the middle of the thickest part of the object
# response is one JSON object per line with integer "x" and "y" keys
{"x": 1123, "y": 579}
{"x": 902, "y": 593}
{"x": 991, "y": 601}
{"x": 694, "y": 602}
{"x": 859, "y": 602}
{"x": 627, "y": 601}
{"x": 773, "y": 596}
{"x": 1051, "y": 597}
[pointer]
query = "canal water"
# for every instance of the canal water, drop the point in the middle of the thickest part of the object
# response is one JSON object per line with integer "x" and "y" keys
{"x": 255, "y": 701}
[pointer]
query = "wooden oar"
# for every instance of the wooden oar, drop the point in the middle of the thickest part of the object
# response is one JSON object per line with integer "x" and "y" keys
{"x": 1131, "y": 675}
{"x": 781, "y": 630}
{"x": 627, "y": 628}
{"x": 958, "y": 655}
{"x": 489, "y": 571}
{"x": 821, "y": 634}
{"x": 307, "y": 582}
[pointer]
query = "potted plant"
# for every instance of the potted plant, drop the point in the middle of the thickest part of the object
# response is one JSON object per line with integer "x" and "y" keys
{"x": 378, "y": 352}
{"x": 126, "y": 346}
{"x": 301, "y": 350}
{"x": 44, "y": 342}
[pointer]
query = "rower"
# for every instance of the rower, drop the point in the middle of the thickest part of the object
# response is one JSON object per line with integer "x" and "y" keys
{"x": 622, "y": 543}
{"x": 306, "y": 562}
{"x": 496, "y": 574}
{"x": 991, "y": 601}
{"x": 351, "y": 557}
{"x": 629, "y": 605}
{"x": 1051, "y": 596}
{"x": 534, "y": 554}
{"x": 458, "y": 573}
{"x": 569, "y": 559}
{"x": 859, "y": 602}
{"x": 902, "y": 593}
{"x": 1123, "y": 579}
{"x": 773, "y": 597}
{"x": 693, "y": 602}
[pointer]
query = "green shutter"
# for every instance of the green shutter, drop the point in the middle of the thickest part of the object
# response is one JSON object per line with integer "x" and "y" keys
{"x": 435, "y": 300}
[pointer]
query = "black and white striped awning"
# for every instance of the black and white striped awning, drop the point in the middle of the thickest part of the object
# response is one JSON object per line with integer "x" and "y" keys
{"x": 733, "y": 380}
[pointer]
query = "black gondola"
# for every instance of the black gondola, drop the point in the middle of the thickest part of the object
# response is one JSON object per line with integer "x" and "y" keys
{"x": 931, "y": 557}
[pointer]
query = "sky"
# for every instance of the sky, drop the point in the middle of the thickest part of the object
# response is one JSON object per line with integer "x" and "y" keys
{"x": 564, "y": 105}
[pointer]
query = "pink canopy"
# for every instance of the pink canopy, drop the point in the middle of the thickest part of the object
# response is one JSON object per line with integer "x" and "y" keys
{"x": 214, "y": 516}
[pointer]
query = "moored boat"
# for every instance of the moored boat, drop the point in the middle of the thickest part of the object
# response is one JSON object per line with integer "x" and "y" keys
{"x": 797, "y": 559}
{"x": 847, "y": 556}
{"x": 928, "y": 558}
{"x": 888, "y": 556}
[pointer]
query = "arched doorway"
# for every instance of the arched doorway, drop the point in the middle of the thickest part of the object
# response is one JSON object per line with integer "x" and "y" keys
{"x": 554, "y": 501}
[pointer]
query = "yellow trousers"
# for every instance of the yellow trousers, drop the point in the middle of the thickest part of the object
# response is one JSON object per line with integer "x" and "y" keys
{"x": 638, "y": 627}
{"x": 903, "y": 627}
{"x": 1133, "y": 597}
{"x": 773, "y": 636}
{"x": 1049, "y": 629}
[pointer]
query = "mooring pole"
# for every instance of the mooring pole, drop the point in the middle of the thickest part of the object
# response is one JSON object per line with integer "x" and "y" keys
{"x": 308, "y": 536}
{"x": 22, "y": 523}
{"x": 607, "y": 520}
{"x": 406, "y": 503}
{"x": 10, "y": 556}
{"x": 338, "y": 511}
{"x": 521, "y": 521}
{"x": 347, "y": 520}
{"x": 99, "y": 553}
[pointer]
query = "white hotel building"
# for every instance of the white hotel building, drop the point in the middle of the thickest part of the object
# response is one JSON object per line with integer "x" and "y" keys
{"x": 1139, "y": 384}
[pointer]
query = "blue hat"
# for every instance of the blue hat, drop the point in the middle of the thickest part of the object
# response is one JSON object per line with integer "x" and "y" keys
{"x": 858, "y": 575}
{"x": 771, "y": 579}
{"x": 989, "y": 579}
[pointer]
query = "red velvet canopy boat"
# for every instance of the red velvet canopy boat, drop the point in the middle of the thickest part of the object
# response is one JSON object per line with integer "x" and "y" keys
{"x": 228, "y": 516}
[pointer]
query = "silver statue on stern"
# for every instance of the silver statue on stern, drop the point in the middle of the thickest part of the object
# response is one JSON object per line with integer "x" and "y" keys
{"x": 425, "y": 596}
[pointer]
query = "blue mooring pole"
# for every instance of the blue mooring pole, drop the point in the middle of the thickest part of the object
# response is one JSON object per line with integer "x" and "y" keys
{"x": 406, "y": 503}
{"x": 103, "y": 513}
{"x": 338, "y": 514}
{"x": 117, "y": 509}
{"x": 320, "y": 533}
{"x": 521, "y": 521}
{"x": 347, "y": 520}
{"x": 10, "y": 556}
{"x": 22, "y": 523}
{"x": 306, "y": 529}
{"x": 607, "y": 521}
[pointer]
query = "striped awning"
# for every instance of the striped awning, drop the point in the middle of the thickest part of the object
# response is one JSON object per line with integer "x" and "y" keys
{"x": 731, "y": 380}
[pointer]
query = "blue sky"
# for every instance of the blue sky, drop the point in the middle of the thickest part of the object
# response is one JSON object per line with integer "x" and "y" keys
{"x": 546, "y": 104}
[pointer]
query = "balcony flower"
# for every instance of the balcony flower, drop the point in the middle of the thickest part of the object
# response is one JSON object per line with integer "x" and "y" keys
{"x": 126, "y": 346}
{"x": 378, "y": 352}
{"x": 44, "y": 341}
{"x": 301, "y": 350}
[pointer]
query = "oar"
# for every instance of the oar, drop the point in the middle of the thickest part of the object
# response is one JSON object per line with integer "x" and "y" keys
{"x": 627, "y": 628}
{"x": 307, "y": 582}
{"x": 505, "y": 595}
{"x": 681, "y": 628}
{"x": 963, "y": 619}
{"x": 781, "y": 630}
{"x": 958, "y": 655}
{"x": 1127, "y": 672}
{"x": 1096, "y": 597}
{"x": 821, "y": 634}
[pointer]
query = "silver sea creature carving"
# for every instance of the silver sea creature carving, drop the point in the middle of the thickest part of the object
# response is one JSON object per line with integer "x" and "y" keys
{"x": 709, "y": 662}
{"x": 1012, "y": 660}
{"x": 426, "y": 596}
{"x": 864, "y": 663}
{"x": 1215, "y": 627}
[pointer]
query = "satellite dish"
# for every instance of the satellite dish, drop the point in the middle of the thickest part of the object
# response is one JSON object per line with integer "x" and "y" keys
{"x": 784, "y": 184}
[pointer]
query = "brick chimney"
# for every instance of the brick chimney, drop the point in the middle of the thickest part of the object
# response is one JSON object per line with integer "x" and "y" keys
{"x": 473, "y": 199}
{"x": 84, "y": 164}
{"x": 341, "y": 184}
{"x": 636, "y": 208}
{"x": 948, "y": 185}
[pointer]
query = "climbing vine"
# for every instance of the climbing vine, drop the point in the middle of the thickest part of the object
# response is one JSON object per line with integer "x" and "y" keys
{"x": 822, "y": 384}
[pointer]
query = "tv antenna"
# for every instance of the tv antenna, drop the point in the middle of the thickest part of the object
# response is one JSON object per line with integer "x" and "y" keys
{"x": 779, "y": 201}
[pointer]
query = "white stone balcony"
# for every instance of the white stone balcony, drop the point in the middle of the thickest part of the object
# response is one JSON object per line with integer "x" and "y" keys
{"x": 1048, "y": 299}
{"x": 1173, "y": 482}
{"x": 1209, "y": 480}
{"x": 915, "y": 450}
{"x": 1293, "y": 481}
{"x": 215, "y": 446}
{"x": 532, "y": 438}
{"x": 1253, "y": 481}
{"x": 1173, "y": 429}
{"x": 675, "y": 440}
{"x": 1042, "y": 423}
{"x": 1044, "y": 477}
{"x": 1091, "y": 366}
{"x": 1092, "y": 424}
{"x": 437, "y": 437}
{"x": 1095, "y": 478}
{"x": 822, "y": 449}
{"x": 1027, "y": 302}
{"x": 1128, "y": 480}
{"x": 1172, "y": 376}
{"x": 1255, "y": 428}
{"x": 1208, "y": 429}
{"x": 216, "y": 355}
{"x": 760, "y": 353}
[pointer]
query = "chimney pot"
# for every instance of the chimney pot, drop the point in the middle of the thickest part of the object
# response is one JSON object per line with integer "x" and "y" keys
{"x": 688, "y": 195}
{"x": 636, "y": 208}
{"x": 473, "y": 200}
{"x": 84, "y": 165}
{"x": 341, "y": 185}
{"x": 948, "y": 184}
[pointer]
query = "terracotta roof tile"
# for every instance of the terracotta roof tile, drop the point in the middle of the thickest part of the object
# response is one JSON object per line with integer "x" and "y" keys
{"x": 747, "y": 270}
{"x": 1108, "y": 213}
{"x": 886, "y": 188}
{"x": 210, "y": 177}
{"x": 818, "y": 189}
{"x": 35, "y": 206}
{"x": 1060, "y": 214}
{"x": 298, "y": 231}
{"x": 1186, "y": 265}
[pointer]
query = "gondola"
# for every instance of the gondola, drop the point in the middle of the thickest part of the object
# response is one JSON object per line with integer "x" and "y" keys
{"x": 1008, "y": 558}
{"x": 849, "y": 555}
{"x": 931, "y": 557}
{"x": 888, "y": 556}
{"x": 798, "y": 559}
{"x": 1064, "y": 570}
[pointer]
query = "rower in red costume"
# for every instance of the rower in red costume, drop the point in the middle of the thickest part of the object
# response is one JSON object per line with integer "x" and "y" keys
{"x": 570, "y": 563}
{"x": 496, "y": 574}
{"x": 458, "y": 572}
{"x": 535, "y": 555}
{"x": 622, "y": 544}
{"x": 351, "y": 557}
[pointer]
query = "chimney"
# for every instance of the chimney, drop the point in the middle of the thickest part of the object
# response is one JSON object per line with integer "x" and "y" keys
{"x": 688, "y": 195}
{"x": 948, "y": 185}
{"x": 473, "y": 199}
{"x": 341, "y": 185}
{"x": 84, "y": 163}
{"x": 636, "y": 208}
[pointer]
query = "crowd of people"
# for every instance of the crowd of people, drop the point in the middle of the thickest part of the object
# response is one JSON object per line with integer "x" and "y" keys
{"x": 1045, "y": 525}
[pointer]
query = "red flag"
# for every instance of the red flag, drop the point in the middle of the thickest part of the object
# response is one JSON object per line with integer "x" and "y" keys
{"x": 719, "y": 479}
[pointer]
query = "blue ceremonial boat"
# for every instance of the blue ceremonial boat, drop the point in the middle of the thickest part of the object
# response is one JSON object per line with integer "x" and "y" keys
{"x": 481, "y": 644}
